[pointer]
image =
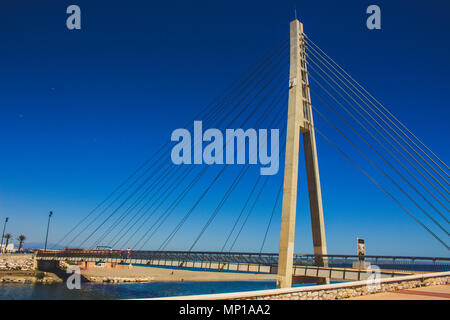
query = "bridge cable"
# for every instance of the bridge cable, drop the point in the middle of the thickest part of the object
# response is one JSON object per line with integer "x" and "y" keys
{"x": 372, "y": 135}
{"x": 173, "y": 203}
{"x": 381, "y": 188}
{"x": 139, "y": 188}
{"x": 178, "y": 227}
{"x": 134, "y": 192}
{"x": 226, "y": 196}
{"x": 155, "y": 209}
{"x": 280, "y": 189}
{"x": 379, "y": 169}
{"x": 205, "y": 110}
{"x": 363, "y": 98}
{"x": 372, "y": 148}
{"x": 362, "y": 108}
{"x": 250, "y": 211}
{"x": 168, "y": 211}
{"x": 378, "y": 131}
{"x": 162, "y": 247}
{"x": 362, "y": 116}
{"x": 241, "y": 213}
{"x": 144, "y": 206}
{"x": 137, "y": 202}
{"x": 383, "y": 107}
{"x": 114, "y": 242}
{"x": 251, "y": 208}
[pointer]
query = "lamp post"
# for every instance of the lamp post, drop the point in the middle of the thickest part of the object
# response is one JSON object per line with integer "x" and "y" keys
{"x": 3, "y": 234}
{"x": 48, "y": 226}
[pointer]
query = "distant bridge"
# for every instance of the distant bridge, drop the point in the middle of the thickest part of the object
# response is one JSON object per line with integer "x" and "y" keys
{"x": 306, "y": 268}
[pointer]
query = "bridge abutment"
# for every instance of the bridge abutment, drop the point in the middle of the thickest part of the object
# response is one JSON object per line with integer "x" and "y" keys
{"x": 47, "y": 265}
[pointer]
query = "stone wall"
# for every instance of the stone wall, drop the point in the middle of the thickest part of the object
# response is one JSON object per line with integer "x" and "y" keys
{"x": 23, "y": 262}
{"x": 353, "y": 290}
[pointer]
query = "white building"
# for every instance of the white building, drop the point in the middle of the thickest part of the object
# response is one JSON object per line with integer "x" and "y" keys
{"x": 9, "y": 248}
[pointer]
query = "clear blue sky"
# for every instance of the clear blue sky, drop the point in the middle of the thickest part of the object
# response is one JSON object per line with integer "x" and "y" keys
{"x": 80, "y": 110}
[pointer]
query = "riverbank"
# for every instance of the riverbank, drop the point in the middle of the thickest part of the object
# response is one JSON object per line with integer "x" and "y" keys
{"x": 28, "y": 277}
{"x": 152, "y": 274}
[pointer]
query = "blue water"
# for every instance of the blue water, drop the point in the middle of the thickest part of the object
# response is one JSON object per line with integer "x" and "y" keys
{"x": 126, "y": 290}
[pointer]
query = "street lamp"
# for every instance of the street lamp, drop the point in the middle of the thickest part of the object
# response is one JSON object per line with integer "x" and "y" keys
{"x": 48, "y": 226}
{"x": 3, "y": 234}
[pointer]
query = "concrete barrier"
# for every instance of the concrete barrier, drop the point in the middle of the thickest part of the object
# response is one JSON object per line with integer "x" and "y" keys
{"x": 328, "y": 292}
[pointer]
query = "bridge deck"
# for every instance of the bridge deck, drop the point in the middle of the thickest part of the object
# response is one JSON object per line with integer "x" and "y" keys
{"x": 338, "y": 269}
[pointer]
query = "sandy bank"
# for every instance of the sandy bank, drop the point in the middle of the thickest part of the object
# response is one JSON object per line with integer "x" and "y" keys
{"x": 144, "y": 274}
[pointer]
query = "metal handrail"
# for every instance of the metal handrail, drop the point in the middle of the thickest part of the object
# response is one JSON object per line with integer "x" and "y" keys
{"x": 223, "y": 256}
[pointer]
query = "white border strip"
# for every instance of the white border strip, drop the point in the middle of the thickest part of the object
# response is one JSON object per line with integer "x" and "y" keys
{"x": 270, "y": 292}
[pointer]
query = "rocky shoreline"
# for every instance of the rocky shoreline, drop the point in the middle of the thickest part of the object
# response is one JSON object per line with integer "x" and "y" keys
{"x": 16, "y": 262}
{"x": 19, "y": 268}
{"x": 118, "y": 279}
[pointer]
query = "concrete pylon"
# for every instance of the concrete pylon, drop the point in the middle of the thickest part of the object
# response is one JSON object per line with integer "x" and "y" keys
{"x": 299, "y": 121}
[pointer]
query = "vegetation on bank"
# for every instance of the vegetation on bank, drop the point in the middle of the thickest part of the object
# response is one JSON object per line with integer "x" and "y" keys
{"x": 22, "y": 273}
{"x": 27, "y": 276}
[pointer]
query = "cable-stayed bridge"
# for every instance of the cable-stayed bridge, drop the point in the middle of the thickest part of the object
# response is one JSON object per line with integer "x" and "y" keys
{"x": 290, "y": 84}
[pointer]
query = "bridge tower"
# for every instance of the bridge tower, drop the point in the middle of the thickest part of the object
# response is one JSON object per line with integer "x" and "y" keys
{"x": 299, "y": 120}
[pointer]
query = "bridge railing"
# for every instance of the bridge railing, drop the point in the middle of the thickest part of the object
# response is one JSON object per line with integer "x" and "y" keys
{"x": 219, "y": 257}
{"x": 405, "y": 263}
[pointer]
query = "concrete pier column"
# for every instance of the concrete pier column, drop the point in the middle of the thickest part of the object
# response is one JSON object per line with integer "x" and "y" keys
{"x": 295, "y": 117}
{"x": 299, "y": 121}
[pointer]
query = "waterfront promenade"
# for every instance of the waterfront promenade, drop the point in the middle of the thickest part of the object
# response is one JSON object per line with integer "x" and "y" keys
{"x": 440, "y": 292}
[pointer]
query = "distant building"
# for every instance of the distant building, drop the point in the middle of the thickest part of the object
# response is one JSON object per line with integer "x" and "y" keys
{"x": 9, "y": 248}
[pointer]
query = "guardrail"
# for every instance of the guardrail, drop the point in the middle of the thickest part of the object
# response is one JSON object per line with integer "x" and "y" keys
{"x": 405, "y": 263}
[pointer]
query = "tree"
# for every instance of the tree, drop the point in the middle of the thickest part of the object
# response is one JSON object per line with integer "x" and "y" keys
{"x": 21, "y": 239}
{"x": 7, "y": 237}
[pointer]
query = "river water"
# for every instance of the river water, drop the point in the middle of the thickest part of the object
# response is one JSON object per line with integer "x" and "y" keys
{"x": 88, "y": 290}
